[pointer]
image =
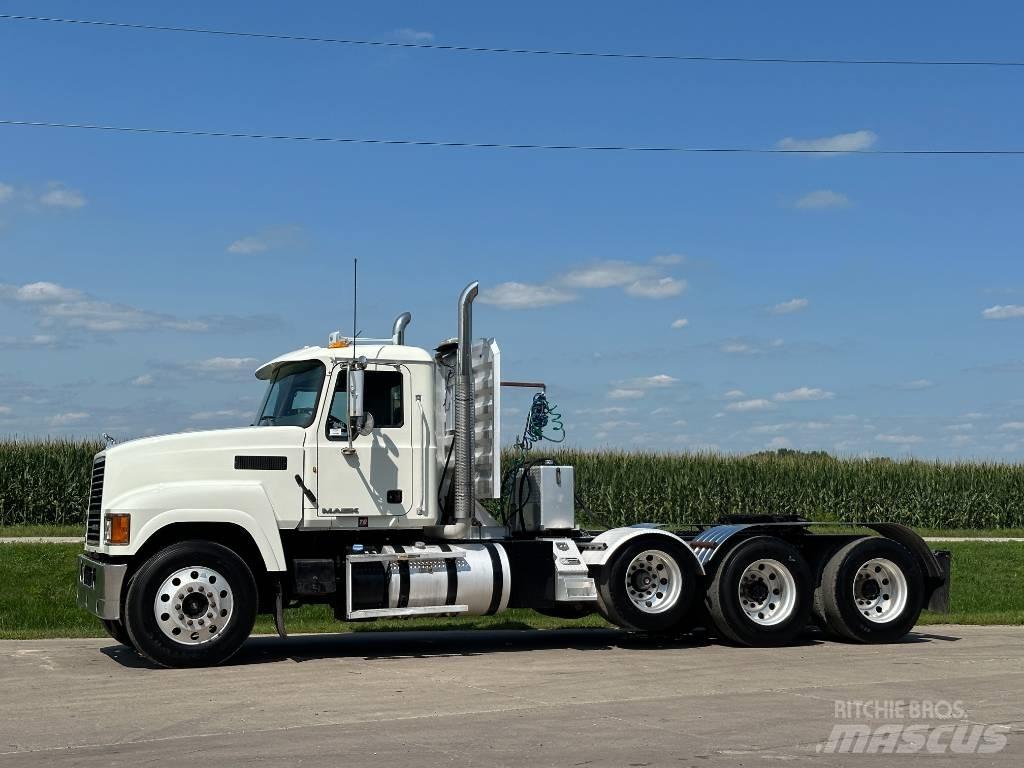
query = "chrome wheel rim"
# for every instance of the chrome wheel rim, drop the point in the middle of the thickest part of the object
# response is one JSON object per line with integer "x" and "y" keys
{"x": 767, "y": 592}
{"x": 654, "y": 581}
{"x": 880, "y": 590}
{"x": 193, "y": 605}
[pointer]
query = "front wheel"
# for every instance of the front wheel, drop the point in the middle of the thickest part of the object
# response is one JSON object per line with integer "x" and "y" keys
{"x": 761, "y": 593}
{"x": 116, "y": 629}
{"x": 192, "y": 604}
{"x": 649, "y": 585}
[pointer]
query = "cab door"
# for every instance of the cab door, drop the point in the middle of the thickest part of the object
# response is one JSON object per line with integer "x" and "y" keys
{"x": 373, "y": 486}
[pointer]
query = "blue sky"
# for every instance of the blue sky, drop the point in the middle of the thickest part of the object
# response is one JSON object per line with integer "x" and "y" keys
{"x": 855, "y": 304}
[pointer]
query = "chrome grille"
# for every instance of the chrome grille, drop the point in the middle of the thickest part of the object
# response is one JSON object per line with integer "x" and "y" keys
{"x": 92, "y": 520}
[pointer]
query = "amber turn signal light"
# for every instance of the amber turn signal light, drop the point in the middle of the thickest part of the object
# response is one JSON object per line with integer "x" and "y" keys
{"x": 117, "y": 528}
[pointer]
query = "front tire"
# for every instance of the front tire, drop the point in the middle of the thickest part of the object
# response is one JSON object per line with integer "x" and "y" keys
{"x": 649, "y": 585}
{"x": 117, "y": 630}
{"x": 761, "y": 593}
{"x": 192, "y": 604}
{"x": 871, "y": 591}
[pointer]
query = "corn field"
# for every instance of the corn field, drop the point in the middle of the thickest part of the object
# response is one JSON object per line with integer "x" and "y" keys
{"x": 45, "y": 482}
{"x": 48, "y": 483}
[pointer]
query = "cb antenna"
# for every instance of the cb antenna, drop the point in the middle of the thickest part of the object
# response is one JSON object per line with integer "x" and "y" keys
{"x": 355, "y": 304}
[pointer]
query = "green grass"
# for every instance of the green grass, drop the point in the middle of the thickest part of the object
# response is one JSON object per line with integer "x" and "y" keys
{"x": 39, "y": 583}
{"x": 973, "y": 533}
{"x": 22, "y": 531}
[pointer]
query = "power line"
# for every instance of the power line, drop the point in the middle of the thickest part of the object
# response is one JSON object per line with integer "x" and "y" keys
{"x": 501, "y": 145}
{"x": 526, "y": 51}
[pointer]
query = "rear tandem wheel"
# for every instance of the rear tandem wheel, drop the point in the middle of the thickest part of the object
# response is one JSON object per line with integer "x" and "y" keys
{"x": 761, "y": 593}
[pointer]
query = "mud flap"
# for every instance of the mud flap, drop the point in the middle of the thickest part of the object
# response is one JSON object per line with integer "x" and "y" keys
{"x": 279, "y": 610}
{"x": 939, "y": 601}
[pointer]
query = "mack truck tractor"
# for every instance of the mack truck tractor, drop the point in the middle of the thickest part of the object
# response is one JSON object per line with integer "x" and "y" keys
{"x": 360, "y": 483}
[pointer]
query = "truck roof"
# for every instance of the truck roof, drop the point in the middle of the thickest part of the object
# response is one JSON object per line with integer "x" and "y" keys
{"x": 371, "y": 350}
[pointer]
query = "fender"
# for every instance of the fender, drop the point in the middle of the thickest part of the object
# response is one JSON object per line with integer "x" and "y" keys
{"x": 600, "y": 550}
{"x": 243, "y": 503}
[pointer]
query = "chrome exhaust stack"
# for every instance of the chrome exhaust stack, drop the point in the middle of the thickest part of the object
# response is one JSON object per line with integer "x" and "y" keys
{"x": 464, "y": 413}
{"x": 398, "y": 329}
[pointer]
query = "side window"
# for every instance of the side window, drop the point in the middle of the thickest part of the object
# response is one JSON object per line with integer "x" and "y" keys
{"x": 383, "y": 396}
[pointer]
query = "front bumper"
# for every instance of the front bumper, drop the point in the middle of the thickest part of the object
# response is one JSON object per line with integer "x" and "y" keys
{"x": 99, "y": 587}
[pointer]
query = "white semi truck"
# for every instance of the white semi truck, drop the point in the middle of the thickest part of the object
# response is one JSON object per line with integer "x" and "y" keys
{"x": 359, "y": 486}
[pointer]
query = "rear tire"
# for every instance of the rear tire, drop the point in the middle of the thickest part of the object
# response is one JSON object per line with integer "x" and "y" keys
{"x": 117, "y": 630}
{"x": 192, "y": 604}
{"x": 649, "y": 585}
{"x": 871, "y": 591}
{"x": 761, "y": 593}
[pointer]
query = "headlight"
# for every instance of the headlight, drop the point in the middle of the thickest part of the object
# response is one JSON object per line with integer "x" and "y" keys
{"x": 117, "y": 528}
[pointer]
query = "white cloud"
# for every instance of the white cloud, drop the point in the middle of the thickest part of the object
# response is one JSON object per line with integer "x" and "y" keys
{"x": 772, "y": 429}
{"x": 525, "y": 296}
{"x": 917, "y": 384}
{"x": 5, "y": 410}
{"x": 40, "y": 292}
{"x": 67, "y": 419}
{"x": 625, "y": 394}
{"x": 226, "y": 364}
{"x": 757, "y": 404}
{"x": 220, "y": 415}
{"x": 1012, "y": 426}
{"x": 658, "y": 288}
{"x": 669, "y": 259}
{"x": 1003, "y": 312}
{"x": 734, "y": 394}
{"x": 738, "y": 348}
{"x": 959, "y": 428}
{"x": 251, "y": 244}
{"x": 658, "y": 380}
{"x": 60, "y": 308}
{"x": 679, "y": 423}
{"x": 145, "y": 380}
{"x": 900, "y": 439}
{"x": 60, "y": 196}
{"x": 408, "y": 35}
{"x": 842, "y": 142}
{"x": 29, "y": 342}
{"x": 788, "y": 307}
{"x": 606, "y": 274}
{"x": 822, "y": 198}
{"x": 742, "y": 346}
{"x": 682, "y": 322}
{"x": 6, "y": 193}
{"x": 268, "y": 240}
{"x": 803, "y": 393}
{"x": 778, "y": 442}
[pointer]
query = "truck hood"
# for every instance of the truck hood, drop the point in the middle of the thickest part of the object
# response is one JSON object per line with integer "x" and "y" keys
{"x": 195, "y": 456}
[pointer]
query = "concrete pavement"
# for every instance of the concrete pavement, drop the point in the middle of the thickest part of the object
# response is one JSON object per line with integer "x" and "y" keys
{"x": 579, "y": 698}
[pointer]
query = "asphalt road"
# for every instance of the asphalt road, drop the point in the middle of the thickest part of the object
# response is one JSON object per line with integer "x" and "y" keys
{"x": 572, "y": 698}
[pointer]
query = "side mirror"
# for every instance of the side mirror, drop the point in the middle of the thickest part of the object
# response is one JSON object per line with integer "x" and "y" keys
{"x": 360, "y": 422}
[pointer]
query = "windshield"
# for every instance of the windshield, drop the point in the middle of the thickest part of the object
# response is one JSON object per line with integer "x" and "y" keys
{"x": 292, "y": 395}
